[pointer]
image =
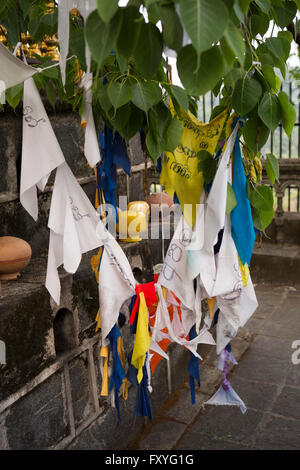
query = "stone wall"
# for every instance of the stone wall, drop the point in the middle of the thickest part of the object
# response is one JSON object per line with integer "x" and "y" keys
{"x": 50, "y": 384}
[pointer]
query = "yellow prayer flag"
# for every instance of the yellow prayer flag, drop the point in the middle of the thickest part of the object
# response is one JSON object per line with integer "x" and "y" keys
{"x": 142, "y": 338}
{"x": 180, "y": 168}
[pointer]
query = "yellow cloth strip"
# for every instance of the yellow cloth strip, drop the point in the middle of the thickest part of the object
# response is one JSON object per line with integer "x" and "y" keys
{"x": 98, "y": 320}
{"x": 211, "y": 303}
{"x": 142, "y": 338}
{"x": 104, "y": 352}
{"x": 244, "y": 270}
{"x": 121, "y": 353}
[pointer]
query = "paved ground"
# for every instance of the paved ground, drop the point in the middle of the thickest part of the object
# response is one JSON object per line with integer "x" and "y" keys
{"x": 265, "y": 378}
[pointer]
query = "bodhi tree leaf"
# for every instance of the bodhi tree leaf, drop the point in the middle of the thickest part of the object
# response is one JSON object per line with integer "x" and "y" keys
{"x": 145, "y": 95}
{"x": 201, "y": 80}
{"x": 272, "y": 168}
{"x": 231, "y": 201}
{"x": 269, "y": 110}
{"x": 107, "y": 9}
{"x": 148, "y": 52}
{"x": 262, "y": 219}
{"x": 172, "y": 135}
{"x": 119, "y": 93}
{"x": 204, "y": 21}
{"x": 286, "y": 14}
{"x": 207, "y": 165}
{"x": 101, "y": 37}
{"x": 288, "y": 113}
{"x": 234, "y": 39}
{"x": 255, "y": 134}
{"x": 180, "y": 95}
{"x": 246, "y": 94}
{"x": 129, "y": 34}
{"x": 261, "y": 198}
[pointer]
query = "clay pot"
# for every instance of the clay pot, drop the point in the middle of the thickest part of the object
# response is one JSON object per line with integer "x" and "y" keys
{"x": 125, "y": 220}
{"x": 15, "y": 255}
{"x": 159, "y": 199}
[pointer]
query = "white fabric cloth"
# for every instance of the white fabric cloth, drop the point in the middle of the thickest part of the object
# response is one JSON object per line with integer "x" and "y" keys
{"x": 73, "y": 223}
{"x": 227, "y": 397}
{"x": 174, "y": 273}
{"x": 235, "y": 310}
{"x": 41, "y": 152}
{"x": 91, "y": 143}
{"x": 13, "y": 70}
{"x": 202, "y": 260}
{"x": 64, "y": 6}
{"x": 116, "y": 281}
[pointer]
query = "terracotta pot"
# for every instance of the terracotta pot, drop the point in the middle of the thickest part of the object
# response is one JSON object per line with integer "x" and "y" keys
{"x": 15, "y": 255}
{"x": 159, "y": 199}
{"x": 125, "y": 222}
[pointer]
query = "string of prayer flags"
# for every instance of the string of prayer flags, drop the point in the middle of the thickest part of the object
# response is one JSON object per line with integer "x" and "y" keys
{"x": 41, "y": 152}
{"x": 73, "y": 224}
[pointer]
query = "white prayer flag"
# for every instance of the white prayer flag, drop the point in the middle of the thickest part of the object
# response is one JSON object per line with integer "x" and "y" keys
{"x": 41, "y": 152}
{"x": 116, "y": 282}
{"x": 174, "y": 273}
{"x": 13, "y": 70}
{"x": 73, "y": 225}
{"x": 91, "y": 143}
{"x": 235, "y": 310}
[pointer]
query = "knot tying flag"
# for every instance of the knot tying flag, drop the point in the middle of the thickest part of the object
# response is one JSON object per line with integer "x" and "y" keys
{"x": 193, "y": 368}
{"x": 150, "y": 296}
{"x": 118, "y": 374}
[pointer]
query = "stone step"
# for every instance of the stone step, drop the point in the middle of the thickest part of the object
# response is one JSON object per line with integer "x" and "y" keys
{"x": 276, "y": 263}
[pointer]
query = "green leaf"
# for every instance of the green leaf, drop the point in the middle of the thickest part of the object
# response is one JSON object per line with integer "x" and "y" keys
{"x": 286, "y": 14}
{"x": 120, "y": 118}
{"x": 204, "y": 21}
{"x": 259, "y": 24}
{"x": 134, "y": 123}
{"x": 153, "y": 145}
{"x": 246, "y": 94}
{"x": 51, "y": 93}
{"x": 171, "y": 26}
{"x": 231, "y": 201}
{"x": 272, "y": 168}
{"x": 101, "y": 96}
{"x": 207, "y": 166}
{"x": 107, "y": 9}
{"x": 232, "y": 77}
{"x": 255, "y": 134}
{"x": 269, "y": 75}
{"x": 180, "y": 95}
{"x": 264, "y": 5}
{"x": 244, "y": 4}
{"x": 288, "y": 113}
{"x": 235, "y": 41}
{"x": 199, "y": 81}
{"x": 129, "y": 33}
{"x": 262, "y": 219}
{"x": 172, "y": 136}
{"x": 261, "y": 198}
{"x": 148, "y": 52}
{"x": 275, "y": 46}
{"x": 269, "y": 110}
{"x": 14, "y": 95}
{"x": 119, "y": 93}
{"x": 101, "y": 37}
{"x": 145, "y": 95}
